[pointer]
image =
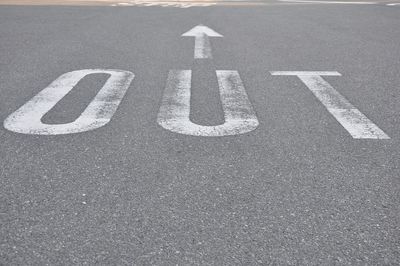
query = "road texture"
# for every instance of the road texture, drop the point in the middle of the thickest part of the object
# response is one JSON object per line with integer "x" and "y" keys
{"x": 298, "y": 190}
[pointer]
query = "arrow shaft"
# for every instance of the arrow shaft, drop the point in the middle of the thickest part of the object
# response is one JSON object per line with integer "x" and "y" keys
{"x": 202, "y": 47}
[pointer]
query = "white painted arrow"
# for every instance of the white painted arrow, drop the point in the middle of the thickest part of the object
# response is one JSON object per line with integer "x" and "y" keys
{"x": 202, "y": 48}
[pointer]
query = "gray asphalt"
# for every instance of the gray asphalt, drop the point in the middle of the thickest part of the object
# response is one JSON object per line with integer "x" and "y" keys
{"x": 296, "y": 191}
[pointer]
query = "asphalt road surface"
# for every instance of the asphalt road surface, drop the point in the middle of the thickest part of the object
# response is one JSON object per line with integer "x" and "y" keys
{"x": 306, "y": 172}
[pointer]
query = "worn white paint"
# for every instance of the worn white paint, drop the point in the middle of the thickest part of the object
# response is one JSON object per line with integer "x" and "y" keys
{"x": 305, "y": 73}
{"x": 166, "y": 3}
{"x": 175, "y": 108}
{"x": 393, "y": 4}
{"x": 27, "y": 119}
{"x": 202, "y": 47}
{"x": 355, "y": 122}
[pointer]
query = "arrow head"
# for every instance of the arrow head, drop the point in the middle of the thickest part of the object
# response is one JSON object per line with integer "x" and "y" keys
{"x": 201, "y": 30}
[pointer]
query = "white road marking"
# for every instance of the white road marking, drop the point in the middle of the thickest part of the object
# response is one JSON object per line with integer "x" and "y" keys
{"x": 329, "y": 2}
{"x": 305, "y": 73}
{"x": 355, "y": 122}
{"x": 174, "y": 111}
{"x": 393, "y": 4}
{"x": 27, "y": 119}
{"x": 166, "y": 3}
{"x": 125, "y": 4}
{"x": 202, "y": 47}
